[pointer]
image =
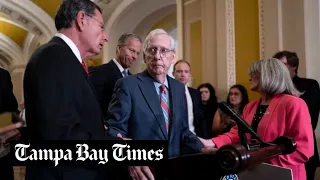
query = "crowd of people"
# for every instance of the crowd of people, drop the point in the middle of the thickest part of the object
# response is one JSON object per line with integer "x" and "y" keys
{"x": 64, "y": 100}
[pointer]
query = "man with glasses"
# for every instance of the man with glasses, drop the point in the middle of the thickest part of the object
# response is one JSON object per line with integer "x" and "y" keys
{"x": 59, "y": 100}
{"x": 105, "y": 76}
{"x": 151, "y": 105}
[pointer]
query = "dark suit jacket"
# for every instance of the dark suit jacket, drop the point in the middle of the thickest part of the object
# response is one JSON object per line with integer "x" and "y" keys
{"x": 135, "y": 112}
{"x": 311, "y": 96}
{"x": 198, "y": 114}
{"x": 60, "y": 105}
{"x": 103, "y": 78}
{"x": 8, "y": 102}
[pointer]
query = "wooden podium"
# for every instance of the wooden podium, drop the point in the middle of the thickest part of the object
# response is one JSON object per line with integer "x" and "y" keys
{"x": 231, "y": 162}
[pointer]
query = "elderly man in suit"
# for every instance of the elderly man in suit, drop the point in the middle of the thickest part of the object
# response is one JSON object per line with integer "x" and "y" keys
{"x": 104, "y": 77}
{"x": 60, "y": 101}
{"x": 151, "y": 105}
{"x": 311, "y": 95}
{"x": 182, "y": 73}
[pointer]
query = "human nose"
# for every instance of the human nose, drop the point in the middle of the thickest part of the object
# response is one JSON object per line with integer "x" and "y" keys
{"x": 105, "y": 37}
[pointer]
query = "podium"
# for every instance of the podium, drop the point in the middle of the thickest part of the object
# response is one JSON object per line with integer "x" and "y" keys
{"x": 266, "y": 172}
{"x": 230, "y": 162}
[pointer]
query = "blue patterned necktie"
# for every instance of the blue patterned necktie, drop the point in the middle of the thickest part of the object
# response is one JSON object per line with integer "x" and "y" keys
{"x": 164, "y": 104}
{"x": 125, "y": 73}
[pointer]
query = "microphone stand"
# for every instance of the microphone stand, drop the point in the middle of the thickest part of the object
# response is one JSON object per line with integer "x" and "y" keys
{"x": 243, "y": 128}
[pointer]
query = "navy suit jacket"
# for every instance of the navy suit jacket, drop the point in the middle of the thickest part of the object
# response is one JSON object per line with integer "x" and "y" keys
{"x": 61, "y": 104}
{"x": 135, "y": 112}
{"x": 198, "y": 113}
{"x": 103, "y": 78}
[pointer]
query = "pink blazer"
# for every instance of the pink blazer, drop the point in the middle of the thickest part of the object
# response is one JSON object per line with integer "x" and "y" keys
{"x": 286, "y": 116}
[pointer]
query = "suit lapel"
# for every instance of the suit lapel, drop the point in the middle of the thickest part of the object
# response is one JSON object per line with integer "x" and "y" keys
{"x": 151, "y": 97}
{"x": 60, "y": 41}
{"x": 116, "y": 70}
{"x": 173, "y": 105}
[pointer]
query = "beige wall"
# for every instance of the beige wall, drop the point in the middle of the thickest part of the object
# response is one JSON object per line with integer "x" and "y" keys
{"x": 199, "y": 23}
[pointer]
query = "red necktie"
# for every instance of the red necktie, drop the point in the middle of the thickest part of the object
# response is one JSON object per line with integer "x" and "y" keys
{"x": 85, "y": 67}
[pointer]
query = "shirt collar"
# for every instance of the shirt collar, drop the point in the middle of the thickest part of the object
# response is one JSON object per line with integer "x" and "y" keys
{"x": 71, "y": 44}
{"x": 165, "y": 83}
{"x": 121, "y": 69}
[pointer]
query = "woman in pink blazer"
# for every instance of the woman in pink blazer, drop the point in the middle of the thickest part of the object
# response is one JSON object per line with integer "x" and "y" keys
{"x": 278, "y": 112}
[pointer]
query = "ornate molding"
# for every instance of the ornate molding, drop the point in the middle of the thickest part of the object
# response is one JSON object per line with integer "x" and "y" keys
{"x": 14, "y": 23}
{"x": 261, "y": 29}
{"x": 12, "y": 49}
{"x": 27, "y": 45}
{"x": 30, "y": 16}
{"x": 231, "y": 62}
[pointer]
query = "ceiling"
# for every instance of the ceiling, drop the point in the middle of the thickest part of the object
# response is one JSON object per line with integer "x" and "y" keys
{"x": 29, "y": 23}
{"x": 17, "y": 33}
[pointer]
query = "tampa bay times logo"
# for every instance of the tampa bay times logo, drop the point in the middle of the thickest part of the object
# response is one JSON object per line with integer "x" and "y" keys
{"x": 83, "y": 152}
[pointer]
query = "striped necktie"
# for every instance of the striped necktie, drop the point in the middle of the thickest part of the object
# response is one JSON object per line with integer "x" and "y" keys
{"x": 164, "y": 104}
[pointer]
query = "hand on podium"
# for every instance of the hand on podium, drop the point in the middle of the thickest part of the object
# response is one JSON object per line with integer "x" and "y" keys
{"x": 120, "y": 136}
{"x": 140, "y": 172}
{"x": 207, "y": 142}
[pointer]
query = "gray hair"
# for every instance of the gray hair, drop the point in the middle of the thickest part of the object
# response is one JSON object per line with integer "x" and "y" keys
{"x": 154, "y": 33}
{"x": 274, "y": 77}
{"x": 124, "y": 38}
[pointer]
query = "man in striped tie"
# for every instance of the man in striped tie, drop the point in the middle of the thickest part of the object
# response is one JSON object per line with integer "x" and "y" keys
{"x": 151, "y": 105}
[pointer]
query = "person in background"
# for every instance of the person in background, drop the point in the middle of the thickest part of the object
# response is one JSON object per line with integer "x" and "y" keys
{"x": 182, "y": 73}
{"x": 210, "y": 102}
{"x": 311, "y": 95}
{"x": 104, "y": 77}
{"x": 237, "y": 99}
{"x": 8, "y": 104}
{"x": 278, "y": 112}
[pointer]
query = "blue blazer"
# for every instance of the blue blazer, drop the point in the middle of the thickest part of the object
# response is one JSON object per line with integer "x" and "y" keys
{"x": 135, "y": 112}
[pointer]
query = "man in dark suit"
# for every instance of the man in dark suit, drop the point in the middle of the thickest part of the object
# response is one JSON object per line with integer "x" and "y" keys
{"x": 104, "y": 77}
{"x": 151, "y": 105}
{"x": 60, "y": 101}
{"x": 8, "y": 103}
{"x": 182, "y": 73}
{"x": 311, "y": 96}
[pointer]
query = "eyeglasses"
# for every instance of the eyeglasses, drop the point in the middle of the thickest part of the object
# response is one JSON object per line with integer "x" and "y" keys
{"x": 100, "y": 23}
{"x": 164, "y": 52}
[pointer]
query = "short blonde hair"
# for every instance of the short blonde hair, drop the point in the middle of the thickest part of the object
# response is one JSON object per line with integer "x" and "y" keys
{"x": 274, "y": 77}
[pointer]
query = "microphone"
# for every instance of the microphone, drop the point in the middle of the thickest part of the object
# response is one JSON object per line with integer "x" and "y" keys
{"x": 242, "y": 124}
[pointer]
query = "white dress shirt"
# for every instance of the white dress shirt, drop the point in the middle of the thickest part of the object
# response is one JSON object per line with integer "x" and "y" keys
{"x": 121, "y": 69}
{"x": 71, "y": 44}
{"x": 190, "y": 110}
